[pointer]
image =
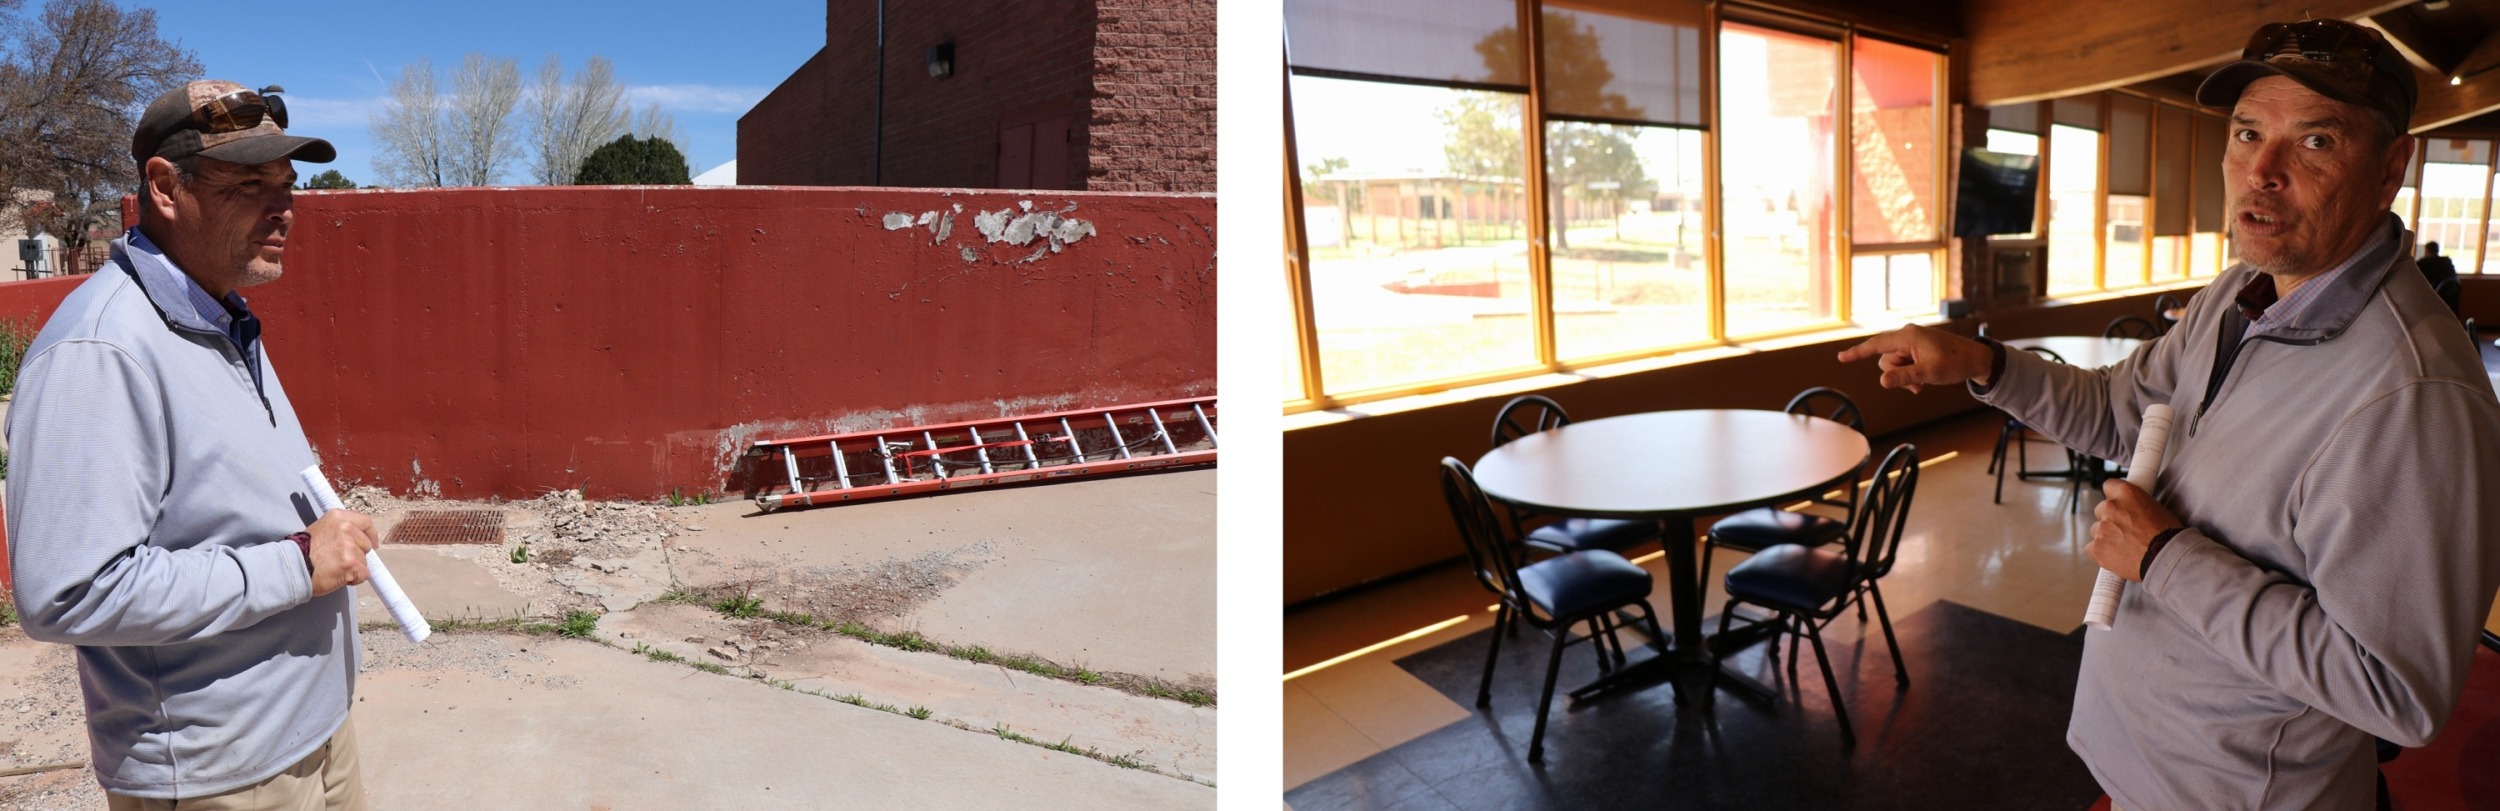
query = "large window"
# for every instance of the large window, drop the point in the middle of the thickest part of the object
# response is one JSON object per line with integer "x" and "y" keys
{"x": 2455, "y": 180}
{"x": 1466, "y": 218}
{"x": 1895, "y": 191}
{"x": 2074, "y": 209}
{"x": 1623, "y": 171}
{"x": 1413, "y": 206}
{"x": 1776, "y": 175}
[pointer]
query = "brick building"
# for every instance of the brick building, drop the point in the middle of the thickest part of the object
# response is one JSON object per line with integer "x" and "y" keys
{"x": 1098, "y": 95}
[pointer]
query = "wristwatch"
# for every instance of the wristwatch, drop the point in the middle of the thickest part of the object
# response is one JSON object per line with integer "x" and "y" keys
{"x": 303, "y": 541}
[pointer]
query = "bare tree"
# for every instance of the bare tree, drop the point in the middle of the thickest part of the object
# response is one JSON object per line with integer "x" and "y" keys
{"x": 408, "y": 131}
{"x": 568, "y": 119}
{"x": 72, "y": 86}
{"x": 483, "y": 138}
{"x": 656, "y": 124}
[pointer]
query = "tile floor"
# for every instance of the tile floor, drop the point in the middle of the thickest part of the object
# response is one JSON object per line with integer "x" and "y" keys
{"x": 1983, "y": 595}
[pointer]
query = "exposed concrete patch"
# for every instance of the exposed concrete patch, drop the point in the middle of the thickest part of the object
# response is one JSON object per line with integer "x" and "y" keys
{"x": 897, "y": 220}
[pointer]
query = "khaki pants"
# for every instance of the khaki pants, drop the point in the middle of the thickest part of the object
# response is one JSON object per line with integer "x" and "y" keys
{"x": 326, "y": 780}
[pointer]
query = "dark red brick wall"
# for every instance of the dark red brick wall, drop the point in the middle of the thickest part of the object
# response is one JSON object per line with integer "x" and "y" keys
{"x": 1135, "y": 80}
{"x": 1153, "y": 123}
{"x": 786, "y": 140}
{"x": 1014, "y": 63}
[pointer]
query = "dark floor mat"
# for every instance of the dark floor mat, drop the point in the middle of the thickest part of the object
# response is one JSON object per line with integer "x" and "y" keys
{"x": 1982, "y": 725}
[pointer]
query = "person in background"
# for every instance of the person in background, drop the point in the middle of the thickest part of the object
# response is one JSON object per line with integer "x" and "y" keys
{"x": 2438, "y": 269}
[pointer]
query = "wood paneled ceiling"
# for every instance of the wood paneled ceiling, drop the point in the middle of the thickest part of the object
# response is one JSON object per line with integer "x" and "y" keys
{"x": 2022, "y": 50}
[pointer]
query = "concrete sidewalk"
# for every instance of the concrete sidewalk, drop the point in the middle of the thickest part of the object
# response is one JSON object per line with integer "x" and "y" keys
{"x": 1116, "y": 575}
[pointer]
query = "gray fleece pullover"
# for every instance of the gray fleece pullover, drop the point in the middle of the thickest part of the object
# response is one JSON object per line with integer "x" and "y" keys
{"x": 2342, "y": 497}
{"x": 151, "y": 489}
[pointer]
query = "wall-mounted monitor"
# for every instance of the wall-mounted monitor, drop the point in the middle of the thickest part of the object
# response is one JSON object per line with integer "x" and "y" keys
{"x": 1998, "y": 194}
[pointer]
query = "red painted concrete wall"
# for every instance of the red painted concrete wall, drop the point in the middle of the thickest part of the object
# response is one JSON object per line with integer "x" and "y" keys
{"x": 633, "y": 339}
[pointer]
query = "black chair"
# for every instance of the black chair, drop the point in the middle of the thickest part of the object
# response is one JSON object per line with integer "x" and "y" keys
{"x": 2017, "y": 436}
{"x": 1551, "y": 595}
{"x": 2448, "y": 291}
{"x": 1809, "y": 588}
{"x": 2162, "y": 305}
{"x": 1531, "y": 413}
{"x": 1762, "y": 528}
{"x": 2132, "y": 326}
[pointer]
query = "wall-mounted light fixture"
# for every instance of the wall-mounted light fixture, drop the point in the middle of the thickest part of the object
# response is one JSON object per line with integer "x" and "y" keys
{"x": 2460, "y": 76}
{"x": 942, "y": 60}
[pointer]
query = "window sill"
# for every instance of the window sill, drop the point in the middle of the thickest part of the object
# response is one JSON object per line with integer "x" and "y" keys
{"x": 1513, "y": 387}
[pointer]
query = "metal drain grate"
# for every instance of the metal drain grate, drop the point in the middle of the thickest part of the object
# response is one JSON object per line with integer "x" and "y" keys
{"x": 450, "y": 527}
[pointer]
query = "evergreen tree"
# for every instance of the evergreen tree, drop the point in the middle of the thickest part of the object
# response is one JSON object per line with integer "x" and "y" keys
{"x": 635, "y": 161}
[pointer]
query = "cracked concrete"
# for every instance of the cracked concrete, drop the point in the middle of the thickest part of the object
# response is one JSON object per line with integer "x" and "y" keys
{"x": 1116, "y": 575}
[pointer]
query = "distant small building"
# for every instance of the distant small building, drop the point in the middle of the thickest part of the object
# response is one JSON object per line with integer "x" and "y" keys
{"x": 1100, "y": 95}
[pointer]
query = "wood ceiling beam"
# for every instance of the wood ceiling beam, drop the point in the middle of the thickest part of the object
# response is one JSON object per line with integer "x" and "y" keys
{"x": 2442, "y": 104}
{"x": 2414, "y": 40}
{"x": 2023, "y": 50}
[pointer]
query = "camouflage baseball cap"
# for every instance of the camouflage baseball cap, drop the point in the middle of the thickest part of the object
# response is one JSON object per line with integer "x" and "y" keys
{"x": 221, "y": 120}
{"x": 2344, "y": 61}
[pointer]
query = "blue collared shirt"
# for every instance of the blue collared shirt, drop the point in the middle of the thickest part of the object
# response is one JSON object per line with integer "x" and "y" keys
{"x": 232, "y": 314}
{"x": 2287, "y": 308}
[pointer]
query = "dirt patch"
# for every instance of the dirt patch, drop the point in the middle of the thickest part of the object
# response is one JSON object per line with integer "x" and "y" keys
{"x": 43, "y": 720}
{"x": 487, "y": 655}
{"x": 878, "y": 595}
{"x": 580, "y": 555}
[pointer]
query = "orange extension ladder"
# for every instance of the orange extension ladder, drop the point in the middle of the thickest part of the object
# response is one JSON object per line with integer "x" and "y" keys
{"x": 938, "y": 458}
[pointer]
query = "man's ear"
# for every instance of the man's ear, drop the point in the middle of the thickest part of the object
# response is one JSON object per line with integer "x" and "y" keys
{"x": 157, "y": 188}
{"x": 2399, "y": 158}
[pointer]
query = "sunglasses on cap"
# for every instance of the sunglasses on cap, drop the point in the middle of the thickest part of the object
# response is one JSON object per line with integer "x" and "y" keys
{"x": 2333, "y": 42}
{"x": 238, "y": 111}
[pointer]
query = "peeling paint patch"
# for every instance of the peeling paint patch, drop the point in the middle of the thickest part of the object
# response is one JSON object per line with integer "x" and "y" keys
{"x": 970, "y": 255}
{"x": 1068, "y": 232}
{"x": 1053, "y": 229}
{"x": 897, "y": 220}
{"x": 945, "y": 228}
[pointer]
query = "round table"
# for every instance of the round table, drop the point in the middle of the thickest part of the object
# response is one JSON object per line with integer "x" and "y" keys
{"x": 1670, "y": 466}
{"x": 2079, "y": 350}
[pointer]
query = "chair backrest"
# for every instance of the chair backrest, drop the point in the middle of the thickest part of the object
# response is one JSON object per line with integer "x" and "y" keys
{"x": 1489, "y": 550}
{"x": 1527, "y": 414}
{"x": 2448, "y": 294}
{"x": 1875, "y": 537}
{"x": 2045, "y": 352}
{"x": 1830, "y": 404}
{"x": 2132, "y": 326}
{"x": 2165, "y": 303}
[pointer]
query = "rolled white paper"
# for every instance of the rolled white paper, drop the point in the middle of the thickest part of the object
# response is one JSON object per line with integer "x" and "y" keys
{"x": 2146, "y": 466}
{"x": 384, "y": 586}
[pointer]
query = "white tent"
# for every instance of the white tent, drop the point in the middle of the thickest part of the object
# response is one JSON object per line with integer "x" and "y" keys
{"x": 723, "y": 175}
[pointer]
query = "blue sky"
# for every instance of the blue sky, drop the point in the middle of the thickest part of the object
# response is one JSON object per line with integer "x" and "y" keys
{"x": 705, "y": 63}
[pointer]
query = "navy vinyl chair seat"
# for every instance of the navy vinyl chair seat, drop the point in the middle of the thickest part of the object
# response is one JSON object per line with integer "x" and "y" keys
{"x": 1583, "y": 583}
{"x": 1582, "y": 534}
{"x": 1758, "y": 529}
{"x": 1588, "y": 587}
{"x": 1771, "y": 526}
{"x": 1809, "y": 587}
{"x": 1792, "y": 578}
